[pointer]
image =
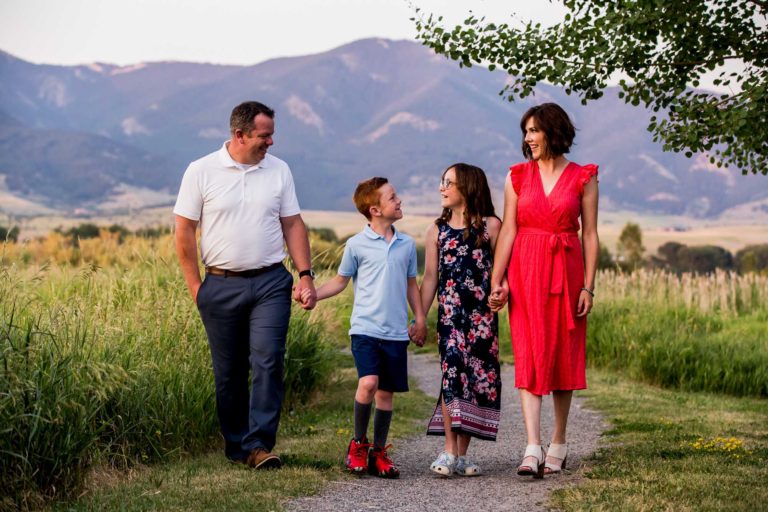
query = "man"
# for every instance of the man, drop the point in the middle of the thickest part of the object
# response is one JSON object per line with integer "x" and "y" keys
{"x": 245, "y": 202}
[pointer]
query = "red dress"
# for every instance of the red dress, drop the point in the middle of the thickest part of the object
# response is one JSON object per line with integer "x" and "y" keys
{"x": 545, "y": 275}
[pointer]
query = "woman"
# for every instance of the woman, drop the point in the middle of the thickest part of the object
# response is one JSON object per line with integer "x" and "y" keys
{"x": 552, "y": 284}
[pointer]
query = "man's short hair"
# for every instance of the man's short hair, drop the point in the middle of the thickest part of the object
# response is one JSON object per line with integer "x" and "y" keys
{"x": 243, "y": 115}
{"x": 367, "y": 194}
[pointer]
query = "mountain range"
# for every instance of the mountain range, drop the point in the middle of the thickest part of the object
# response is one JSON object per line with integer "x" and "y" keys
{"x": 99, "y": 136}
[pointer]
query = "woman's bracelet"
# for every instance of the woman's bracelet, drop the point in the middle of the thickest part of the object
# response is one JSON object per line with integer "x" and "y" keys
{"x": 585, "y": 289}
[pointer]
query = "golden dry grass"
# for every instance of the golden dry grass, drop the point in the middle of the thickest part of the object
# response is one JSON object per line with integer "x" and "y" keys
{"x": 657, "y": 229}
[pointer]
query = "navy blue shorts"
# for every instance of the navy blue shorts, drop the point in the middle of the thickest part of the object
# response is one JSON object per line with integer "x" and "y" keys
{"x": 387, "y": 359}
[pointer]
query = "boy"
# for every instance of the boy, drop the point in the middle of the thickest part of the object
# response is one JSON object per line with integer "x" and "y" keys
{"x": 382, "y": 263}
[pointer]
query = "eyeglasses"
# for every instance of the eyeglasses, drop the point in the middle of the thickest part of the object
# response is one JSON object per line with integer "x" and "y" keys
{"x": 446, "y": 183}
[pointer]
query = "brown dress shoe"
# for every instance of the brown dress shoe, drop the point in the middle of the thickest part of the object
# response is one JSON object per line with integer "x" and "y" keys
{"x": 260, "y": 458}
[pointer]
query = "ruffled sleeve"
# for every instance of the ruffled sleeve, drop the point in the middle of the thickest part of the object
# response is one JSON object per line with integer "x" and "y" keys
{"x": 587, "y": 171}
{"x": 517, "y": 175}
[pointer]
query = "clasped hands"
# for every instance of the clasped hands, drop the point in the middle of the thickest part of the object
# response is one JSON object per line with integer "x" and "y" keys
{"x": 499, "y": 296}
{"x": 417, "y": 331}
{"x": 305, "y": 295}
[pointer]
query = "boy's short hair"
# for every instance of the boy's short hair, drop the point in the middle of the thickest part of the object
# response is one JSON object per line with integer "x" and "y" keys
{"x": 367, "y": 194}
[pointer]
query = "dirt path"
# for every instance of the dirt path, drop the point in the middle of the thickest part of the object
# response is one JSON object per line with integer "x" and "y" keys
{"x": 499, "y": 488}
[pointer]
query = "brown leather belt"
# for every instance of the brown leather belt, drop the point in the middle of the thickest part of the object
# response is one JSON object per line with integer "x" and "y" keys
{"x": 216, "y": 271}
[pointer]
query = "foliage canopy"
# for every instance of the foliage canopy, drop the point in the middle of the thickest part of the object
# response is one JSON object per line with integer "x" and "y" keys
{"x": 661, "y": 50}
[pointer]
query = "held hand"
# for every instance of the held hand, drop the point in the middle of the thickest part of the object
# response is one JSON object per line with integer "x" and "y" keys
{"x": 308, "y": 296}
{"x": 297, "y": 292}
{"x": 418, "y": 333}
{"x": 498, "y": 297}
{"x": 585, "y": 303}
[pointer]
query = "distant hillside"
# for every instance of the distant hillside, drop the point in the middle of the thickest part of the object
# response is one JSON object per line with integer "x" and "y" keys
{"x": 72, "y": 136}
{"x": 63, "y": 169}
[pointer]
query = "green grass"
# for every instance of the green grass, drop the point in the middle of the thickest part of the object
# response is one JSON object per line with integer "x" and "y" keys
{"x": 112, "y": 366}
{"x": 106, "y": 373}
{"x": 311, "y": 441}
{"x": 673, "y": 450}
{"x": 682, "y": 348}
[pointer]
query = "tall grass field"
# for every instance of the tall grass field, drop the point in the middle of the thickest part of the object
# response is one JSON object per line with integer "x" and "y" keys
{"x": 110, "y": 365}
{"x": 104, "y": 361}
{"x": 694, "y": 333}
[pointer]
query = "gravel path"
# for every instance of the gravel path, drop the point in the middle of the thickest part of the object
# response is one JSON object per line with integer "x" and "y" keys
{"x": 499, "y": 488}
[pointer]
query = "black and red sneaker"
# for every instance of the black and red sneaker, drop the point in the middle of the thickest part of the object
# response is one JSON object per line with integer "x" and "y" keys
{"x": 357, "y": 456}
{"x": 381, "y": 465}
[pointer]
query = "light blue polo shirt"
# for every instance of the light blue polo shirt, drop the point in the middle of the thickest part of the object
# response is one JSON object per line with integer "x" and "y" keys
{"x": 380, "y": 272}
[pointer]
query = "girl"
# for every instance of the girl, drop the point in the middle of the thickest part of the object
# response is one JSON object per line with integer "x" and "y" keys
{"x": 459, "y": 249}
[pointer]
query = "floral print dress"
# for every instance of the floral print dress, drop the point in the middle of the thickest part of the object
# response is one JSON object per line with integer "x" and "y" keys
{"x": 467, "y": 336}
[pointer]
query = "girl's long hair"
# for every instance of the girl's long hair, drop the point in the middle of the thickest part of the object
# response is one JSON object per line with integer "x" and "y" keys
{"x": 473, "y": 187}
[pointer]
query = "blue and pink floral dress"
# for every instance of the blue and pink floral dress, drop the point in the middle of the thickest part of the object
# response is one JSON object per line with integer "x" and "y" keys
{"x": 467, "y": 335}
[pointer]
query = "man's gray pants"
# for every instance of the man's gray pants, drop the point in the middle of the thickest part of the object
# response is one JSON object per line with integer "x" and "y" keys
{"x": 246, "y": 320}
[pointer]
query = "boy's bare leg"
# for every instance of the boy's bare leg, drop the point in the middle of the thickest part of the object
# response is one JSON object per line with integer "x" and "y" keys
{"x": 366, "y": 388}
{"x": 384, "y": 399}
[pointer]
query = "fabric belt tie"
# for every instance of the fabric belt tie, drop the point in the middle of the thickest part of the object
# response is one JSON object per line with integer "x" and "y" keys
{"x": 559, "y": 243}
{"x": 216, "y": 271}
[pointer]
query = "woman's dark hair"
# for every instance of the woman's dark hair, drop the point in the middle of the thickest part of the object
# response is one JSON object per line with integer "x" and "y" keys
{"x": 473, "y": 187}
{"x": 558, "y": 129}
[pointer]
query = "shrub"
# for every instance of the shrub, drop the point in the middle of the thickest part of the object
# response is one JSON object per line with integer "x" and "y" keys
{"x": 9, "y": 234}
{"x": 150, "y": 232}
{"x": 83, "y": 231}
{"x": 120, "y": 231}
{"x": 752, "y": 258}
{"x": 605, "y": 260}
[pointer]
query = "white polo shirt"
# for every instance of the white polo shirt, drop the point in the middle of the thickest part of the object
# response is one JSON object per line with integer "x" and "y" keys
{"x": 239, "y": 209}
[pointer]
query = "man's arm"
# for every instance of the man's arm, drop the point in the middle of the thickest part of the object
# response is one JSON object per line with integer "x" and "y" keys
{"x": 186, "y": 250}
{"x": 297, "y": 240}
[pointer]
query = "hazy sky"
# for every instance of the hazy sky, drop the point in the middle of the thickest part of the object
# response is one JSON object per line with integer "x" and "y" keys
{"x": 231, "y": 32}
